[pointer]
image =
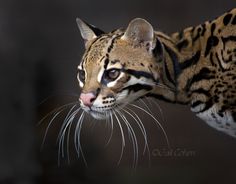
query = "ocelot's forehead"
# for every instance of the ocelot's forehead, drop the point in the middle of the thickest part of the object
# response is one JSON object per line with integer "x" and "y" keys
{"x": 95, "y": 51}
{"x": 99, "y": 48}
{"x": 115, "y": 51}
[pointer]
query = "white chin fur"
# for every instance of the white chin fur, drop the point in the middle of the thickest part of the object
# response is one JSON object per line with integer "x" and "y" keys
{"x": 98, "y": 116}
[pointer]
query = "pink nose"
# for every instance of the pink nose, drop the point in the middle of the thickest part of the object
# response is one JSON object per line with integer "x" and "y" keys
{"x": 87, "y": 98}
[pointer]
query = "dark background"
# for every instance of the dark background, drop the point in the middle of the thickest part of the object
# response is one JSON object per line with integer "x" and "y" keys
{"x": 40, "y": 48}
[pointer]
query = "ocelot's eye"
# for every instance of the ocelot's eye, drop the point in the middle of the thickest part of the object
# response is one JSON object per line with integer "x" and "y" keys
{"x": 81, "y": 74}
{"x": 112, "y": 74}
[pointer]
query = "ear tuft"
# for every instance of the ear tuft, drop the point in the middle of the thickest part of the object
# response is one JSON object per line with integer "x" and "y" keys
{"x": 139, "y": 31}
{"x": 88, "y": 32}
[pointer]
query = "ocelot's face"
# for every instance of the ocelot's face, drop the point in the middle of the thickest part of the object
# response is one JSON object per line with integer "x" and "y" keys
{"x": 114, "y": 71}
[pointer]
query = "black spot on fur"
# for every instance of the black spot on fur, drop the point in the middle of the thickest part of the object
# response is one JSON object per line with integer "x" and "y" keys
{"x": 203, "y": 29}
{"x": 106, "y": 63}
{"x": 198, "y": 34}
{"x": 211, "y": 42}
{"x": 213, "y": 27}
{"x": 227, "y": 19}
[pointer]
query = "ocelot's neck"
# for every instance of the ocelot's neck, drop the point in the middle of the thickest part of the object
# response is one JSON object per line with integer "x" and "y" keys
{"x": 174, "y": 62}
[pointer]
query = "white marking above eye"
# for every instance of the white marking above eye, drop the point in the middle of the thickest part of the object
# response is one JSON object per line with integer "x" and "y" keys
{"x": 100, "y": 74}
{"x": 79, "y": 67}
{"x": 116, "y": 65}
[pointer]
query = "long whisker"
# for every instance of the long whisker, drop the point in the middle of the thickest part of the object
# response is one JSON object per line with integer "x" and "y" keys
{"x": 133, "y": 138}
{"x": 122, "y": 136}
{"x": 49, "y": 125}
{"x": 158, "y": 123}
{"x": 68, "y": 142}
{"x": 67, "y": 122}
{"x": 55, "y": 110}
{"x": 112, "y": 124}
{"x": 142, "y": 128}
{"x": 158, "y": 106}
{"x": 141, "y": 100}
{"x": 139, "y": 123}
{"x": 77, "y": 138}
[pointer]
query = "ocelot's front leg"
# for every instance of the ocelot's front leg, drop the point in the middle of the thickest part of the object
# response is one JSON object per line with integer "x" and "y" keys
{"x": 215, "y": 113}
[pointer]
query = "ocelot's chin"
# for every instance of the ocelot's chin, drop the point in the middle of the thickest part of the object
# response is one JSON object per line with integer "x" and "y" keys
{"x": 99, "y": 115}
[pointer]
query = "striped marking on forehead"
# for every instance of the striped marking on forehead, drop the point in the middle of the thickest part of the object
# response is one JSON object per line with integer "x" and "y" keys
{"x": 105, "y": 60}
{"x": 85, "y": 58}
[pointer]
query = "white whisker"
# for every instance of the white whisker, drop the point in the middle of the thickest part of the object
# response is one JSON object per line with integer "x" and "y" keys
{"x": 142, "y": 128}
{"x": 158, "y": 106}
{"x": 158, "y": 123}
{"x": 67, "y": 123}
{"x": 112, "y": 124}
{"x": 47, "y": 129}
{"x": 56, "y": 110}
{"x": 122, "y": 136}
{"x": 133, "y": 138}
{"x": 77, "y": 138}
{"x": 141, "y": 100}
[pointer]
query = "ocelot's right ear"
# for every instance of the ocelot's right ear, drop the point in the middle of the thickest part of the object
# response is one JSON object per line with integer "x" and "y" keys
{"x": 88, "y": 32}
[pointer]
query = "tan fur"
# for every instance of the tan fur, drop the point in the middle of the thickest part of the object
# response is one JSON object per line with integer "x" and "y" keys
{"x": 196, "y": 67}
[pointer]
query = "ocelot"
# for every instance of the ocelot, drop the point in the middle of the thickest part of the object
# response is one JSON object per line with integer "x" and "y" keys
{"x": 195, "y": 67}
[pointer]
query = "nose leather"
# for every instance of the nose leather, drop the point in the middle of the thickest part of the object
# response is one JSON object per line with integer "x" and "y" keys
{"x": 87, "y": 98}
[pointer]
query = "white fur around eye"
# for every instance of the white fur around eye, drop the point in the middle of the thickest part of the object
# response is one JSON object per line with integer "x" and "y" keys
{"x": 113, "y": 83}
{"x": 100, "y": 74}
{"x": 79, "y": 67}
{"x": 81, "y": 84}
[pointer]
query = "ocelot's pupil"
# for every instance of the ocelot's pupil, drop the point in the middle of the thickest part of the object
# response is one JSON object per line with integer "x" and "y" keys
{"x": 113, "y": 74}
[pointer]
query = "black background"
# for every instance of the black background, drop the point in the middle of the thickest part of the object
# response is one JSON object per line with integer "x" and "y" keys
{"x": 40, "y": 48}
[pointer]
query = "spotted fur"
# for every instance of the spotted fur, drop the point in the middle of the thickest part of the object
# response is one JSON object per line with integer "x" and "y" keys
{"x": 196, "y": 67}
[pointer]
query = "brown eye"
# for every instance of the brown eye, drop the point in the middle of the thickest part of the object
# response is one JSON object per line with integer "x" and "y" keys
{"x": 112, "y": 74}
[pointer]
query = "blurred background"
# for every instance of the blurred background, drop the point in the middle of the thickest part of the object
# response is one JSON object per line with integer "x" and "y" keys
{"x": 40, "y": 48}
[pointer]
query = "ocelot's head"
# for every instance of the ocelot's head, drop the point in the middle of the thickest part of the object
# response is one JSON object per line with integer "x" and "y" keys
{"x": 117, "y": 67}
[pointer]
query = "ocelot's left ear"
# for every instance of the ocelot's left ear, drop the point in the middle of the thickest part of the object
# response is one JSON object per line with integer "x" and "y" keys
{"x": 88, "y": 32}
{"x": 140, "y": 32}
